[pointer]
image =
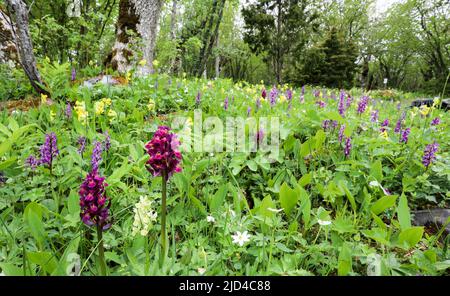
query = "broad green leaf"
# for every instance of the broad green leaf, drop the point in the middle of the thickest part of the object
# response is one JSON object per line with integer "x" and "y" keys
{"x": 305, "y": 180}
{"x": 265, "y": 205}
{"x": 44, "y": 259}
{"x": 73, "y": 203}
{"x": 305, "y": 207}
{"x": 410, "y": 237}
{"x": 404, "y": 216}
{"x": 383, "y": 203}
{"x": 345, "y": 260}
{"x": 349, "y": 195}
{"x": 288, "y": 198}
{"x": 376, "y": 171}
{"x": 10, "y": 269}
{"x": 218, "y": 198}
{"x": 33, "y": 216}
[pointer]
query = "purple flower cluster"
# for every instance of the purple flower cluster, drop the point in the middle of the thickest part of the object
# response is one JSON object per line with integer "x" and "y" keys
{"x": 398, "y": 126}
{"x": 302, "y": 95}
{"x": 32, "y": 162}
{"x": 273, "y": 96}
{"x": 68, "y": 111}
{"x": 321, "y": 104}
{"x": 226, "y": 103}
{"x": 384, "y": 124}
{"x": 341, "y": 104}
{"x": 249, "y": 111}
{"x": 429, "y": 154}
{"x": 198, "y": 98}
{"x": 436, "y": 121}
{"x": 259, "y": 136}
{"x": 82, "y": 144}
{"x": 348, "y": 147}
{"x": 349, "y": 101}
{"x": 374, "y": 116}
{"x": 73, "y": 75}
{"x": 341, "y": 133}
{"x": 96, "y": 156}
{"x": 405, "y": 135}
{"x": 107, "y": 141}
{"x": 264, "y": 93}
{"x": 93, "y": 201}
{"x": 362, "y": 105}
{"x": 289, "y": 95}
{"x": 164, "y": 154}
{"x": 329, "y": 124}
{"x": 49, "y": 151}
{"x": 258, "y": 104}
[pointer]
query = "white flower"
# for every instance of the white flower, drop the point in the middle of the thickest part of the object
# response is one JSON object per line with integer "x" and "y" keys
{"x": 274, "y": 210}
{"x": 241, "y": 238}
{"x": 374, "y": 184}
{"x": 210, "y": 219}
{"x": 323, "y": 222}
{"x": 201, "y": 270}
{"x": 144, "y": 215}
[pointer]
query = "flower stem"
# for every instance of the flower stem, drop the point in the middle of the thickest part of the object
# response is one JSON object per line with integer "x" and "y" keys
{"x": 101, "y": 250}
{"x": 163, "y": 215}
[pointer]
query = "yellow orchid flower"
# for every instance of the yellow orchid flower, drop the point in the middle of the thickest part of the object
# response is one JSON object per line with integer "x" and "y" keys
{"x": 384, "y": 135}
{"x": 143, "y": 62}
{"x": 424, "y": 110}
{"x": 44, "y": 99}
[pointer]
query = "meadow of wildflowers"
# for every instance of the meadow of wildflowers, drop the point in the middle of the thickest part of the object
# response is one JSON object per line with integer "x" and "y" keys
{"x": 106, "y": 174}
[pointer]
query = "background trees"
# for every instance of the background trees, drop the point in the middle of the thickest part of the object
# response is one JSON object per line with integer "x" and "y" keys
{"x": 343, "y": 43}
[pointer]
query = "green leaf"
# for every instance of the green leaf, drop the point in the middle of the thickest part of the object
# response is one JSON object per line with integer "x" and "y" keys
{"x": 283, "y": 248}
{"x": 218, "y": 198}
{"x": 33, "y": 216}
{"x": 349, "y": 195}
{"x": 345, "y": 260}
{"x": 383, "y": 203}
{"x": 120, "y": 172}
{"x": 404, "y": 216}
{"x": 305, "y": 180}
{"x": 305, "y": 207}
{"x": 410, "y": 237}
{"x": 11, "y": 270}
{"x": 288, "y": 198}
{"x": 376, "y": 171}
{"x": 266, "y": 203}
{"x": 252, "y": 165}
{"x": 7, "y": 163}
{"x": 44, "y": 259}
{"x": 73, "y": 203}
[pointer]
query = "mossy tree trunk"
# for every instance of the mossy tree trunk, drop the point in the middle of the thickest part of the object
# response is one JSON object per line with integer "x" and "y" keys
{"x": 139, "y": 18}
{"x": 18, "y": 13}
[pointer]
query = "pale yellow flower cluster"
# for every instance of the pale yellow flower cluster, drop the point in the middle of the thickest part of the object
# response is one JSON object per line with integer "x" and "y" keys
{"x": 151, "y": 105}
{"x": 144, "y": 216}
{"x": 80, "y": 110}
{"x": 102, "y": 105}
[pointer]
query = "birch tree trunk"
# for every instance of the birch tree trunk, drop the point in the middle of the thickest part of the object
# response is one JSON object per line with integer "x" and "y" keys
{"x": 19, "y": 15}
{"x": 8, "y": 48}
{"x": 217, "y": 61}
{"x": 140, "y": 17}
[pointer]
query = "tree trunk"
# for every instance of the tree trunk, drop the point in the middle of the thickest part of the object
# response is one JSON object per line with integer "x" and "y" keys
{"x": 209, "y": 35}
{"x": 140, "y": 17}
{"x": 19, "y": 14}
{"x": 173, "y": 33}
{"x": 8, "y": 48}
{"x": 217, "y": 62}
{"x": 126, "y": 23}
